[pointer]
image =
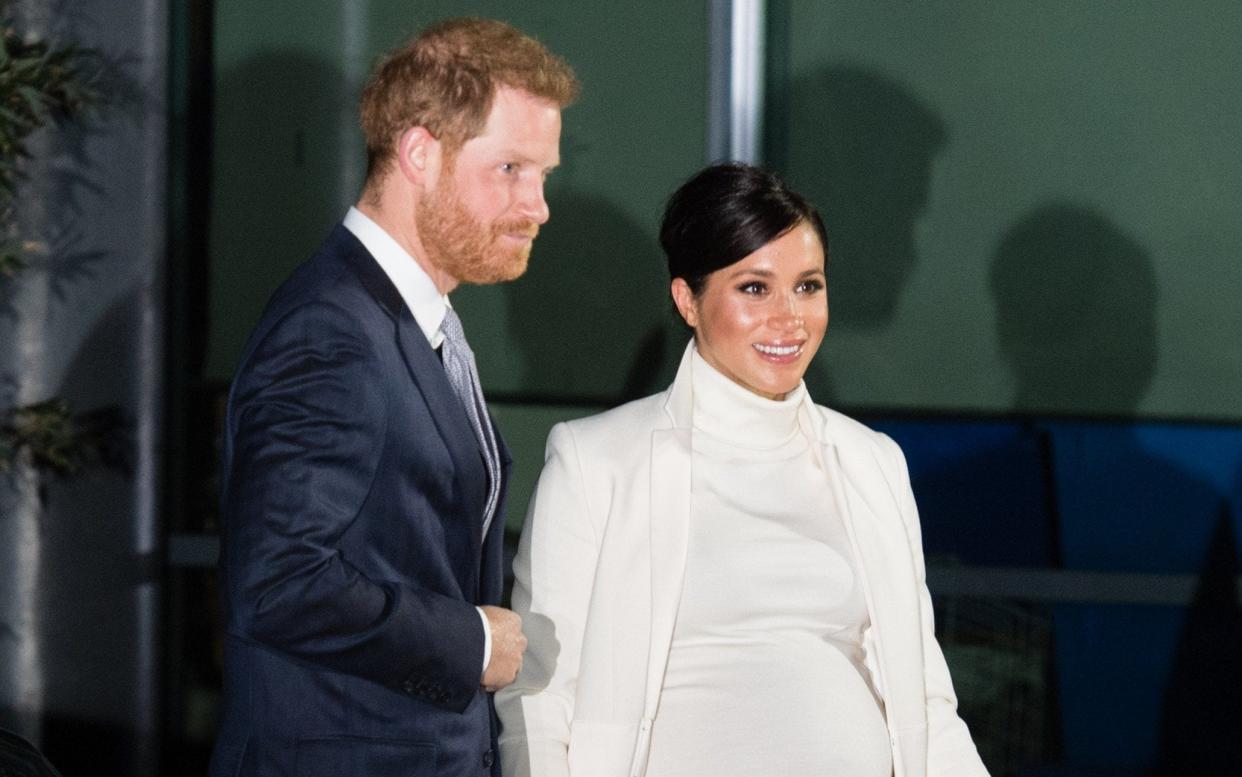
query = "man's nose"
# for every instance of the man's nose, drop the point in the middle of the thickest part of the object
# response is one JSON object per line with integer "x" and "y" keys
{"x": 532, "y": 204}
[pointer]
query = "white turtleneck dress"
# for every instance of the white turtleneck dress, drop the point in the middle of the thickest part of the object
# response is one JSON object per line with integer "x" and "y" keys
{"x": 765, "y": 673}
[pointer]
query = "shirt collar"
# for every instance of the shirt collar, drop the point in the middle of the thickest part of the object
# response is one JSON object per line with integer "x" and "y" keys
{"x": 417, "y": 290}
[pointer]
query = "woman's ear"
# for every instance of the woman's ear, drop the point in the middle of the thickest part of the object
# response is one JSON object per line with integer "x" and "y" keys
{"x": 683, "y": 298}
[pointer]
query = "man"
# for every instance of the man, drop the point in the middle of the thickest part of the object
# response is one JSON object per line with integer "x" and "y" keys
{"x": 363, "y": 480}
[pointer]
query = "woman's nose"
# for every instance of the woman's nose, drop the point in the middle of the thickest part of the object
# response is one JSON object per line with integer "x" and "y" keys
{"x": 786, "y": 316}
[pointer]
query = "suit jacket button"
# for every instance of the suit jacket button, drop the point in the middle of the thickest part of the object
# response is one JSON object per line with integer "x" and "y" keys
{"x": 489, "y": 758}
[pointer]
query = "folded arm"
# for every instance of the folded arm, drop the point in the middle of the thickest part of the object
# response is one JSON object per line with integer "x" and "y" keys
{"x": 309, "y": 425}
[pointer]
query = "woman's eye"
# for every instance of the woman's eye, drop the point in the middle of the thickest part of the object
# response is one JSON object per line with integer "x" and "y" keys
{"x": 810, "y": 287}
{"x": 754, "y": 287}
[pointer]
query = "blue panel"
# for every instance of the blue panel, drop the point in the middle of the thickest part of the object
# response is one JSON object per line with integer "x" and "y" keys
{"x": 1141, "y": 498}
{"x": 1138, "y": 502}
{"x": 981, "y": 490}
{"x": 1112, "y": 666}
{"x": 1097, "y": 496}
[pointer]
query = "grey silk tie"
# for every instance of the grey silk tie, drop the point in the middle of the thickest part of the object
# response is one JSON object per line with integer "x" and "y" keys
{"x": 463, "y": 375}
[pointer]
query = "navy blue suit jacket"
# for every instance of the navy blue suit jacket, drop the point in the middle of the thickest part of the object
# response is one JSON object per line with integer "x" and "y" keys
{"x": 352, "y": 552}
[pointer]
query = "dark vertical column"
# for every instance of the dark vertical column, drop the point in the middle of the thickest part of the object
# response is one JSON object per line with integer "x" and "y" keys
{"x": 190, "y": 677}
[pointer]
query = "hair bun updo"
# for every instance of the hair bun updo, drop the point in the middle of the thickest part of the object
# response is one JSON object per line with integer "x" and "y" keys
{"x": 726, "y": 212}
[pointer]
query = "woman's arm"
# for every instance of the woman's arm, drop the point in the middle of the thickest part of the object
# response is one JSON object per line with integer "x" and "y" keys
{"x": 553, "y": 577}
{"x": 950, "y": 750}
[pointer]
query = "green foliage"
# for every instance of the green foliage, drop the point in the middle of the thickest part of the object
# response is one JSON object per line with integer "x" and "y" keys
{"x": 44, "y": 432}
{"x": 50, "y": 437}
{"x": 40, "y": 84}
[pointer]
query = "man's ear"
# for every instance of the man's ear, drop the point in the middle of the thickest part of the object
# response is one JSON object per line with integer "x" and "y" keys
{"x": 419, "y": 156}
{"x": 684, "y": 299}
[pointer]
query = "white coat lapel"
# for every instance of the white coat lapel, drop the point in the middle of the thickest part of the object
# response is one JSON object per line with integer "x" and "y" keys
{"x": 873, "y": 521}
{"x": 669, "y": 527}
{"x": 669, "y": 532}
{"x": 670, "y": 524}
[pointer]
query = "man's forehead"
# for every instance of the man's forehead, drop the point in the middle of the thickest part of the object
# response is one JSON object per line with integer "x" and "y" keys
{"x": 520, "y": 124}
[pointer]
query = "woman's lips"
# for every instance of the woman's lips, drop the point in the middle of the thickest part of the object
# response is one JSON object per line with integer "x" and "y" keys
{"x": 780, "y": 352}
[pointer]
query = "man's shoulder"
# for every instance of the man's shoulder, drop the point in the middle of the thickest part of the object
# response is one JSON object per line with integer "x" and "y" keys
{"x": 324, "y": 294}
{"x": 327, "y": 273}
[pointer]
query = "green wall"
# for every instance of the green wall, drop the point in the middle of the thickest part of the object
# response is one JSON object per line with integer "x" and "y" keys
{"x": 590, "y": 319}
{"x": 1034, "y": 206}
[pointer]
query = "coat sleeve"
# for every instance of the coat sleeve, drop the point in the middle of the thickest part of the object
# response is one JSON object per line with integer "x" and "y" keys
{"x": 554, "y": 572}
{"x": 950, "y": 750}
{"x": 308, "y": 429}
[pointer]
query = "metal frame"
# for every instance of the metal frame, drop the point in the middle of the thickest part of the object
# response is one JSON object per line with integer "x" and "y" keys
{"x": 735, "y": 44}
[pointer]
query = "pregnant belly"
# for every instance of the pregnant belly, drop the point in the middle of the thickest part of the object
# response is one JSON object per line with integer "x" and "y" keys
{"x": 767, "y": 709}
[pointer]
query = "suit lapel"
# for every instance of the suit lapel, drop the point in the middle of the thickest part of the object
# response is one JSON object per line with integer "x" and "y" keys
{"x": 426, "y": 373}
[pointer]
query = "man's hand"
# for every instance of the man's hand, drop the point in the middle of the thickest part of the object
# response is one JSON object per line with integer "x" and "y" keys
{"x": 508, "y": 643}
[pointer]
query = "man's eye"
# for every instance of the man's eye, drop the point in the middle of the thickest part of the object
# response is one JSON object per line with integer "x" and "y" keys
{"x": 508, "y": 167}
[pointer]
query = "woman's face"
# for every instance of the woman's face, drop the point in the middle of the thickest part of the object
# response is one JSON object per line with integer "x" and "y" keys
{"x": 760, "y": 320}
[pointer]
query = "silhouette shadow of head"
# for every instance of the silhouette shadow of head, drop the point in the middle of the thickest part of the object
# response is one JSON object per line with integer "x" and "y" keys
{"x": 1076, "y": 312}
{"x": 1076, "y": 302}
{"x": 860, "y": 147}
{"x": 591, "y": 314}
{"x": 279, "y": 168}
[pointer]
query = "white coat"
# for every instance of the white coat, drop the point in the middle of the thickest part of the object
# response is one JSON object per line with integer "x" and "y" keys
{"x": 599, "y": 576}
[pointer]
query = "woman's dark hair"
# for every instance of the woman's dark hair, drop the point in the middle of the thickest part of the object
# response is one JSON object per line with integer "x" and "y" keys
{"x": 725, "y": 213}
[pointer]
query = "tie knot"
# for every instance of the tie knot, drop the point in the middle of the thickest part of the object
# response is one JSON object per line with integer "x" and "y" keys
{"x": 451, "y": 327}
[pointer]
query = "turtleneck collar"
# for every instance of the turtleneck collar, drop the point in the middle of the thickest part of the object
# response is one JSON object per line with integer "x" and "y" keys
{"x": 737, "y": 415}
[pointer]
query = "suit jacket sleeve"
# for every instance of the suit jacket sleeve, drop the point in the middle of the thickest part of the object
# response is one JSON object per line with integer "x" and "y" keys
{"x": 950, "y": 750}
{"x": 553, "y": 578}
{"x": 308, "y": 424}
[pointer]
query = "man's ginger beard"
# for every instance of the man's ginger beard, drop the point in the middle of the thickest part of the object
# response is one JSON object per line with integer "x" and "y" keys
{"x": 461, "y": 245}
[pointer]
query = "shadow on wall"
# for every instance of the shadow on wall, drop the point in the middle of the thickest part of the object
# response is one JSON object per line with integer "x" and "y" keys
{"x": 282, "y": 157}
{"x": 1076, "y": 304}
{"x": 97, "y": 580}
{"x": 860, "y": 146}
{"x": 1076, "y": 312}
{"x": 592, "y": 315}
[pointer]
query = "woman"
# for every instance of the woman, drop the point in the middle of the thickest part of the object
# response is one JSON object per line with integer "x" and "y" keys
{"x": 726, "y": 579}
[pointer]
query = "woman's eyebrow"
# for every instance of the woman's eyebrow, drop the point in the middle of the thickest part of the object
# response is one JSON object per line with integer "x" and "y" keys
{"x": 747, "y": 271}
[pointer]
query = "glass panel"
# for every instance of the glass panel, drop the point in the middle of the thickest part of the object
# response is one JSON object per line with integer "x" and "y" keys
{"x": 1032, "y": 205}
{"x": 591, "y": 318}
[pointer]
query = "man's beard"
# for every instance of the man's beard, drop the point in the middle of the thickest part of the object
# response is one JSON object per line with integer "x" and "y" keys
{"x": 465, "y": 248}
